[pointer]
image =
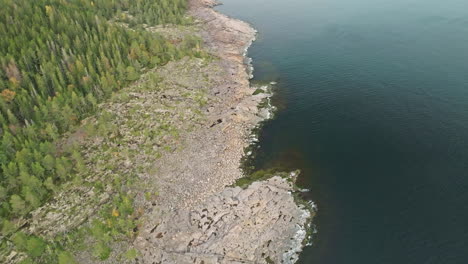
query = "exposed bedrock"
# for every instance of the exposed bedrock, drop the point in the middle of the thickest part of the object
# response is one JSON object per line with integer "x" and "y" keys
{"x": 259, "y": 224}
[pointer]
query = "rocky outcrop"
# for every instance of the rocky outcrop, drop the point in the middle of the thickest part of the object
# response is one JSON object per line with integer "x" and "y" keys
{"x": 196, "y": 218}
{"x": 259, "y": 224}
{"x": 179, "y": 134}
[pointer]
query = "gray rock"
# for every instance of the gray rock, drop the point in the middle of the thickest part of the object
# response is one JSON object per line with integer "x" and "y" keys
{"x": 255, "y": 225}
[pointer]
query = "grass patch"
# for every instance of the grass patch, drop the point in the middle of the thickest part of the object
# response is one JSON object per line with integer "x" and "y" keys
{"x": 259, "y": 175}
{"x": 258, "y": 91}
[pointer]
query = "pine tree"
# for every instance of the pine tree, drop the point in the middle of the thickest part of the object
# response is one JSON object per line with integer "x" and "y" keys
{"x": 31, "y": 197}
{"x": 35, "y": 247}
{"x": 18, "y": 205}
{"x": 131, "y": 74}
{"x": 48, "y": 162}
{"x": 60, "y": 169}
{"x": 58, "y": 61}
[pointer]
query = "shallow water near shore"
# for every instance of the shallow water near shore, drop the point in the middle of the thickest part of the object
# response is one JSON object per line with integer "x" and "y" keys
{"x": 372, "y": 100}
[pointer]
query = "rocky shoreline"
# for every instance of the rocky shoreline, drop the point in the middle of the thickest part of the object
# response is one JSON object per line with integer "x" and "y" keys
{"x": 259, "y": 224}
{"x": 197, "y": 218}
{"x": 174, "y": 142}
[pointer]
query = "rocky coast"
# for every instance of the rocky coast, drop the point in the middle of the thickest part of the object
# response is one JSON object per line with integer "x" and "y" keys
{"x": 198, "y": 218}
{"x": 168, "y": 150}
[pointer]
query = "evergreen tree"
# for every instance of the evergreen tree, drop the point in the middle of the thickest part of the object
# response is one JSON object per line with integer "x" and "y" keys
{"x": 18, "y": 205}
{"x": 58, "y": 60}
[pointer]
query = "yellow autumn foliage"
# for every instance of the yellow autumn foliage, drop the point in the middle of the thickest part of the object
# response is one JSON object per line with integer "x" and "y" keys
{"x": 115, "y": 212}
{"x": 49, "y": 10}
{"x": 14, "y": 81}
{"x": 8, "y": 95}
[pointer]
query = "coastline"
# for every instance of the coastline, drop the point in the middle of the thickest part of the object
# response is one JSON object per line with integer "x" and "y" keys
{"x": 174, "y": 150}
{"x": 210, "y": 222}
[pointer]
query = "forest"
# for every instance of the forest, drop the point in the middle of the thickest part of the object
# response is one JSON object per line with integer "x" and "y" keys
{"x": 58, "y": 60}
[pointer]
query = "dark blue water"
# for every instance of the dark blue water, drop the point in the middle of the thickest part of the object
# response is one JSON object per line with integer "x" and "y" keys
{"x": 373, "y": 107}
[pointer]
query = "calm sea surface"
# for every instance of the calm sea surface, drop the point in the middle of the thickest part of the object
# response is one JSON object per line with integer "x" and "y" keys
{"x": 373, "y": 107}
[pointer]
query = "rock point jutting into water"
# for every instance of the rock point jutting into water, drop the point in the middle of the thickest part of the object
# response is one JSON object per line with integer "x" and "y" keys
{"x": 259, "y": 224}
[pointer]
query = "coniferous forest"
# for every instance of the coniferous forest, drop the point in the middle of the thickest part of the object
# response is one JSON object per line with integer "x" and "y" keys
{"x": 58, "y": 60}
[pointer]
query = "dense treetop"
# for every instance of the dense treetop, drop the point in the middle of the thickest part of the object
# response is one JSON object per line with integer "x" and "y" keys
{"x": 58, "y": 59}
